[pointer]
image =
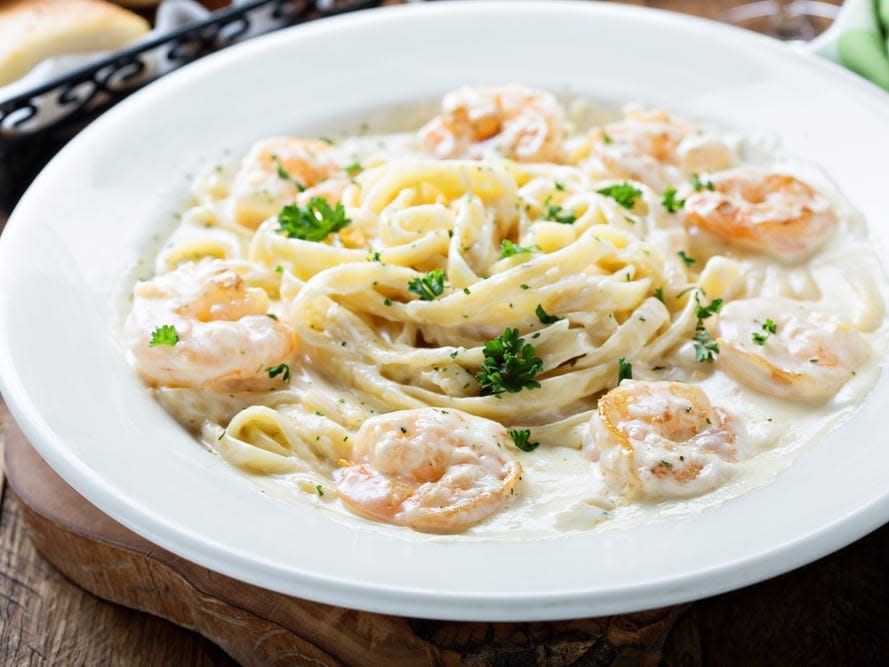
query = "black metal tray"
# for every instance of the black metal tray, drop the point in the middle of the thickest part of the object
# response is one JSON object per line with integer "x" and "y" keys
{"x": 35, "y": 124}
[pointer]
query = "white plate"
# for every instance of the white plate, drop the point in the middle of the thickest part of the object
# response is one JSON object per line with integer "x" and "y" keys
{"x": 80, "y": 229}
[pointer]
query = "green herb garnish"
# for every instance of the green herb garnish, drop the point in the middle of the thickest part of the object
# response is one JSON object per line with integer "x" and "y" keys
{"x": 278, "y": 370}
{"x": 554, "y": 213}
{"x": 709, "y": 310}
{"x": 510, "y": 364}
{"x": 623, "y": 193}
{"x": 670, "y": 202}
{"x": 769, "y": 327}
{"x": 508, "y": 249}
{"x": 353, "y": 169}
{"x": 624, "y": 370}
{"x": 520, "y": 438}
{"x": 544, "y": 317}
{"x": 688, "y": 261}
{"x": 705, "y": 347}
{"x": 699, "y": 183}
{"x": 314, "y": 222}
{"x": 164, "y": 335}
{"x": 428, "y": 286}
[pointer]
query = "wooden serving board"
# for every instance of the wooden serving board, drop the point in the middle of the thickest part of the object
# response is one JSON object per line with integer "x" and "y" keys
{"x": 260, "y": 627}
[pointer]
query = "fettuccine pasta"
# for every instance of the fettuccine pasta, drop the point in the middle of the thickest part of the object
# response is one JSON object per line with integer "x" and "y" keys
{"x": 506, "y": 323}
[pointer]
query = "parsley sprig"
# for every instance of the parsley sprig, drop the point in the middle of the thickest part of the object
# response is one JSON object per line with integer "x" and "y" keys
{"x": 706, "y": 348}
{"x": 624, "y": 370}
{"x": 670, "y": 202}
{"x": 699, "y": 183}
{"x": 544, "y": 317}
{"x": 688, "y": 261}
{"x": 508, "y": 249}
{"x": 624, "y": 194}
{"x": 429, "y": 285}
{"x": 520, "y": 437}
{"x": 314, "y": 222}
{"x": 769, "y": 327}
{"x": 275, "y": 371}
{"x": 556, "y": 213}
{"x": 165, "y": 334}
{"x": 510, "y": 364}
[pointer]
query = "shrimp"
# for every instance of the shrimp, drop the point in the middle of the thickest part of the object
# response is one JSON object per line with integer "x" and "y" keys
{"x": 772, "y": 213}
{"x": 785, "y": 348}
{"x": 226, "y": 341}
{"x": 660, "y": 440}
{"x": 512, "y": 121}
{"x": 281, "y": 171}
{"x": 656, "y": 149}
{"x": 433, "y": 470}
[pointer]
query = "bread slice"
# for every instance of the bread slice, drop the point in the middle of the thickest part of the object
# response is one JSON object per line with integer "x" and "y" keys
{"x": 33, "y": 30}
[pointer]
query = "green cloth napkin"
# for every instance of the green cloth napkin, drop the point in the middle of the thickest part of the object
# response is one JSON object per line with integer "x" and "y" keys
{"x": 863, "y": 46}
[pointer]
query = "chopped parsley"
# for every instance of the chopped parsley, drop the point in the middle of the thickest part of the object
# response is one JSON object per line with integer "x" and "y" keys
{"x": 428, "y": 286}
{"x": 688, "y": 261}
{"x": 558, "y": 186}
{"x": 705, "y": 347}
{"x": 659, "y": 294}
{"x": 271, "y": 316}
{"x": 508, "y": 249}
{"x": 353, "y": 169}
{"x": 285, "y": 176}
{"x": 278, "y": 370}
{"x": 699, "y": 183}
{"x": 521, "y": 437}
{"x": 606, "y": 138}
{"x": 314, "y": 222}
{"x": 670, "y": 202}
{"x": 319, "y": 490}
{"x": 544, "y": 317}
{"x": 510, "y": 364}
{"x": 555, "y": 213}
{"x": 709, "y": 310}
{"x": 769, "y": 327}
{"x": 624, "y": 370}
{"x": 624, "y": 194}
{"x": 165, "y": 334}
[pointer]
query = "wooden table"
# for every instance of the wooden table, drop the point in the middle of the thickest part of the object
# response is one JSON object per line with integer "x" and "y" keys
{"x": 834, "y": 611}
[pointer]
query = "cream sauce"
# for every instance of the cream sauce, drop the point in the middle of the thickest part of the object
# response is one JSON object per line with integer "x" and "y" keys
{"x": 560, "y": 489}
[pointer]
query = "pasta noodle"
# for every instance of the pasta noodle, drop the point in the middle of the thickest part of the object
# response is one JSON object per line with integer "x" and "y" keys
{"x": 387, "y": 305}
